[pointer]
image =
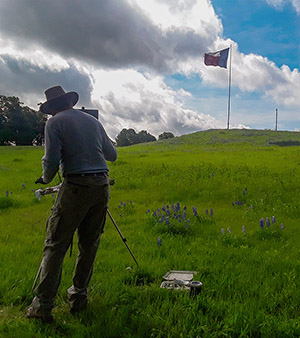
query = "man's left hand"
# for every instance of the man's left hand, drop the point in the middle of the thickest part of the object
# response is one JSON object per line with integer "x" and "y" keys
{"x": 40, "y": 180}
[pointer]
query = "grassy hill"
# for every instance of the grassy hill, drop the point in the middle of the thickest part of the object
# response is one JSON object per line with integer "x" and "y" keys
{"x": 229, "y": 186}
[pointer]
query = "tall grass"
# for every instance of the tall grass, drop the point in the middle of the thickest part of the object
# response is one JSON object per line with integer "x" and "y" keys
{"x": 249, "y": 274}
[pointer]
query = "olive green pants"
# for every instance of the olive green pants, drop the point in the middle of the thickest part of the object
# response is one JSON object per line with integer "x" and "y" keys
{"x": 81, "y": 205}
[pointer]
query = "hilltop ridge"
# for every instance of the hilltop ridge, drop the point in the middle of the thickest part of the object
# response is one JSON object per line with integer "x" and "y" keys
{"x": 234, "y": 136}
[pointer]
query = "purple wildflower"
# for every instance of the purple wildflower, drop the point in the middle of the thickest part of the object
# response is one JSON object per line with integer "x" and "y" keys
{"x": 154, "y": 214}
{"x": 7, "y": 193}
{"x": 273, "y": 219}
{"x": 211, "y": 212}
{"x": 261, "y": 222}
{"x": 23, "y": 185}
{"x": 172, "y": 206}
{"x": 163, "y": 208}
{"x": 184, "y": 215}
{"x": 229, "y": 230}
{"x": 206, "y": 211}
{"x": 159, "y": 241}
{"x": 243, "y": 229}
{"x": 120, "y": 215}
{"x": 232, "y": 204}
{"x": 188, "y": 223}
{"x": 148, "y": 211}
{"x": 160, "y": 220}
{"x": 281, "y": 226}
{"x": 158, "y": 212}
{"x": 268, "y": 222}
{"x": 195, "y": 211}
{"x": 167, "y": 221}
{"x": 168, "y": 212}
{"x": 222, "y": 231}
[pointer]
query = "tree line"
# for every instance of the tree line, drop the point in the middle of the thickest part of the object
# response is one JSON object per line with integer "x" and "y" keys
{"x": 21, "y": 125}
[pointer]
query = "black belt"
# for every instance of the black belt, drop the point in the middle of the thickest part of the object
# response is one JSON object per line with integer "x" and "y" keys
{"x": 103, "y": 173}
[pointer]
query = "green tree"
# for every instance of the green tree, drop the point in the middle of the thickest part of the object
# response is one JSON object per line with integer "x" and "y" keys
{"x": 19, "y": 123}
{"x": 165, "y": 136}
{"x": 129, "y": 137}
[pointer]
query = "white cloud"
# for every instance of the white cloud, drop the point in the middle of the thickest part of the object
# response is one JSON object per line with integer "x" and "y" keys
{"x": 279, "y": 4}
{"x": 129, "y": 99}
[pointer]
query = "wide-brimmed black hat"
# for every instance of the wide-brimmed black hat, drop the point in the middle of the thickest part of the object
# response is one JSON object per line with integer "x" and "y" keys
{"x": 55, "y": 97}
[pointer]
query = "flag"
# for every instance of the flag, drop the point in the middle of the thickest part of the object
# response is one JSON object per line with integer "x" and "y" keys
{"x": 217, "y": 58}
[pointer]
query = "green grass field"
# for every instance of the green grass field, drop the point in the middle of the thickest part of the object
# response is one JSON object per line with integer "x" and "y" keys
{"x": 250, "y": 274}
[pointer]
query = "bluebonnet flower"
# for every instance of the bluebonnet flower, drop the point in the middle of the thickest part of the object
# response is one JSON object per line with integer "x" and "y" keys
{"x": 124, "y": 204}
{"x": 206, "y": 211}
{"x": 211, "y": 212}
{"x": 184, "y": 215}
{"x": 184, "y": 209}
{"x": 158, "y": 212}
{"x": 53, "y": 195}
{"x": 172, "y": 206}
{"x": 251, "y": 206}
{"x": 119, "y": 206}
{"x": 160, "y": 220}
{"x": 148, "y": 211}
{"x": 261, "y": 222}
{"x": 223, "y": 231}
{"x": 229, "y": 230}
{"x": 23, "y": 185}
{"x": 7, "y": 193}
{"x": 273, "y": 219}
{"x": 188, "y": 223}
{"x": 163, "y": 217}
{"x": 163, "y": 208}
{"x": 244, "y": 192}
{"x": 167, "y": 221}
{"x": 168, "y": 212}
{"x": 246, "y": 189}
{"x": 154, "y": 214}
{"x": 232, "y": 204}
{"x": 281, "y": 226}
{"x": 268, "y": 222}
{"x": 159, "y": 241}
{"x": 243, "y": 229}
{"x": 120, "y": 215}
{"x": 195, "y": 211}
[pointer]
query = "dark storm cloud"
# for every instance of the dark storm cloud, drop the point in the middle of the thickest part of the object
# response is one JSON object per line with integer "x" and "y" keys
{"x": 108, "y": 33}
{"x": 21, "y": 78}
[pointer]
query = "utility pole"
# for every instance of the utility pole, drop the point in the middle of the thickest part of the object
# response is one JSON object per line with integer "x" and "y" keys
{"x": 276, "y": 118}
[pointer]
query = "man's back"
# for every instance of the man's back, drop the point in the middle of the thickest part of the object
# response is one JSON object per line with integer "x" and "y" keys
{"x": 78, "y": 141}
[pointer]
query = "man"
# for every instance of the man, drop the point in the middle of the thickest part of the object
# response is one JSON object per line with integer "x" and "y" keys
{"x": 79, "y": 144}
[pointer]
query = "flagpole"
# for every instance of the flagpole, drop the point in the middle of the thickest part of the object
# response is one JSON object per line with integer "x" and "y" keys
{"x": 229, "y": 87}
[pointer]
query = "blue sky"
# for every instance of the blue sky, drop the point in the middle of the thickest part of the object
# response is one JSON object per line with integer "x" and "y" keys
{"x": 262, "y": 29}
{"x": 140, "y": 62}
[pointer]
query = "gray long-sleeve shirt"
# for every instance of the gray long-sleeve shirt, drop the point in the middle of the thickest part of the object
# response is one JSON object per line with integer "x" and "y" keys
{"x": 78, "y": 143}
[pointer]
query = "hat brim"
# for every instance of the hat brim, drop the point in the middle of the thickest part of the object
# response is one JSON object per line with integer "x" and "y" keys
{"x": 48, "y": 106}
